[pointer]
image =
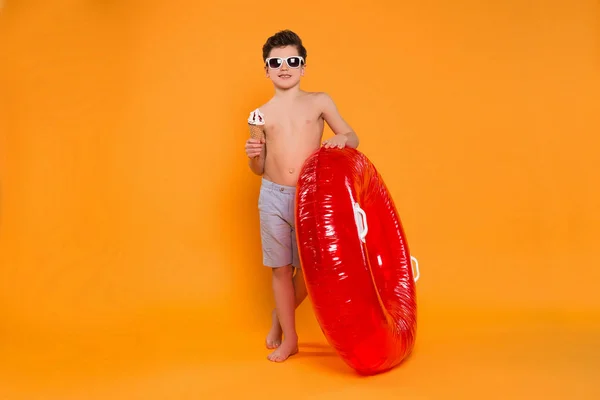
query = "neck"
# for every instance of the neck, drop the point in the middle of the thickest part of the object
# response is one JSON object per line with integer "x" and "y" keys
{"x": 288, "y": 93}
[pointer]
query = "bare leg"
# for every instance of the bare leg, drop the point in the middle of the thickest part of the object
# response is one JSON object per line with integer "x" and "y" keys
{"x": 283, "y": 289}
{"x": 274, "y": 337}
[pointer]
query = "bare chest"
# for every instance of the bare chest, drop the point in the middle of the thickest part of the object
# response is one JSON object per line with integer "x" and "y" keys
{"x": 300, "y": 122}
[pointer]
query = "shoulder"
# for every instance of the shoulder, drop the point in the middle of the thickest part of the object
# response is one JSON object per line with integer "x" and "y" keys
{"x": 318, "y": 96}
{"x": 322, "y": 100}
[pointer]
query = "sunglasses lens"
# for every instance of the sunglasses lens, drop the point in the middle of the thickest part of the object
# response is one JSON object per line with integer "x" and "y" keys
{"x": 294, "y": 62}
{"x": 275, "y": 62}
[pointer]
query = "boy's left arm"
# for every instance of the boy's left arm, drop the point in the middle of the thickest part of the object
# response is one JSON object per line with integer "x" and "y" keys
{"x": 344, "y": 134}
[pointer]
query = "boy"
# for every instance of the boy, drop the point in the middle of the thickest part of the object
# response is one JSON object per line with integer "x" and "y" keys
{"x": 285, "y": 132}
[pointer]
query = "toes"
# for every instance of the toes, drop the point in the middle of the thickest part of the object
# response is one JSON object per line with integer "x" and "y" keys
{"x": 273, "y": 345}
{"x": 274, "y": 356}
{"x": 282, "y": 358}
{"x": 279, "y": 357}
{"x": 272, "y": 341}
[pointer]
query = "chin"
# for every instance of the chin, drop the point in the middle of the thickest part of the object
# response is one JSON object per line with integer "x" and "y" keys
{"x": 286, "y": 84}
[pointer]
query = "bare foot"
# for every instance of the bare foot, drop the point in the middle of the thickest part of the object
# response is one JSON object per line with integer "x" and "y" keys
{"x": 288, "y": 348}
{"x": 274, "y": 336}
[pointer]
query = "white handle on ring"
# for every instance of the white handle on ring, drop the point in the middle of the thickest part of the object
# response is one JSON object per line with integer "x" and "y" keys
{"x": 418, "y": 274}
{"x": 361, "y": 222}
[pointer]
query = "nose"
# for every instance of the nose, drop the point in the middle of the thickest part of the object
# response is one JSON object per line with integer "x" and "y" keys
{"x": 284, "y": 66}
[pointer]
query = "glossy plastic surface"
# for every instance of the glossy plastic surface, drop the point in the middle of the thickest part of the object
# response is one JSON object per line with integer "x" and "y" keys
{"x": 363, "y": 293}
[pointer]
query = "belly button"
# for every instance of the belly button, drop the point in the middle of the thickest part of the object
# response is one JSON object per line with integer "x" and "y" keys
{"x": 291, "y": 170}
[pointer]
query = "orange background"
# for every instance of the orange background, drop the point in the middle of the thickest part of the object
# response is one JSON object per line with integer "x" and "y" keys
{"x": 129, "y": 250}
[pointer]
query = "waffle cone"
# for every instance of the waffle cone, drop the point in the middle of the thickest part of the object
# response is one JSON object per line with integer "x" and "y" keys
{"x": 256, "y": 131}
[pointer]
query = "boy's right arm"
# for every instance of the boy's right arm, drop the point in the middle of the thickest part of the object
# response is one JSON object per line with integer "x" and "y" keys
{"x": 256, "y": 150}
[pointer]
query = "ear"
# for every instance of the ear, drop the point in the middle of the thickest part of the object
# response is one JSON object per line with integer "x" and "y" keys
{"x": 302, "y": 70}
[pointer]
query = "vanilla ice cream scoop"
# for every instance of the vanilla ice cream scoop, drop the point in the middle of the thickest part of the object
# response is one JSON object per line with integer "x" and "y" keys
{"x": 256, "y": 118}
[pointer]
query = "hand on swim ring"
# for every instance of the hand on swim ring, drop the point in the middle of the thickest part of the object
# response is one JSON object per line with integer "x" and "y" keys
{"x": 338, "y": 141}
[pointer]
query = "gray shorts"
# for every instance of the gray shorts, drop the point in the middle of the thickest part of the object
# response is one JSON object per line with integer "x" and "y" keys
{"x": 276, "y": 205}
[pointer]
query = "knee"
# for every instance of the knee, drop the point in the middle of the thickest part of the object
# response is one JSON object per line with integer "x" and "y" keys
{"x": 283, "y": 272}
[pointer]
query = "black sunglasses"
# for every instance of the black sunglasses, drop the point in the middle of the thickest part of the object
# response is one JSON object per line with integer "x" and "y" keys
{"x": 277, "y": 62}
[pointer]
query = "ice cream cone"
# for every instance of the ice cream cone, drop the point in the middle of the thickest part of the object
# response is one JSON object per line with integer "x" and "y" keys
{"x": 256, "y": 132}
{"x": 256, "y": 122}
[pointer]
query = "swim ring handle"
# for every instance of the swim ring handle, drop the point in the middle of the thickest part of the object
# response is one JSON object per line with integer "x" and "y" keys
{"x": 361, "y": 223}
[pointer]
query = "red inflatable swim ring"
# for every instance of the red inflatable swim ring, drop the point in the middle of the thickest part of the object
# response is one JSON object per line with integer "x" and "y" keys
{"x": 356, "y": 260}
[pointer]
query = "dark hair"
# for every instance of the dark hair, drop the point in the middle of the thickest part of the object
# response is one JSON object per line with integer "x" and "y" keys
{"x": 282, "y": 39}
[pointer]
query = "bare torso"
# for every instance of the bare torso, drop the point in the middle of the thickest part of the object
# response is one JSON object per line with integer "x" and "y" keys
{"x": 293, "y": 131}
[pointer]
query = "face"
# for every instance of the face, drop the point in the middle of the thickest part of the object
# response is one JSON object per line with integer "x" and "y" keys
{"x": 284, "y": 67}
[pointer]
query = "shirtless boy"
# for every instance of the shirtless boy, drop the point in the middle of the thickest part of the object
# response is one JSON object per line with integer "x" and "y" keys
{"x": 286, "y": 131}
